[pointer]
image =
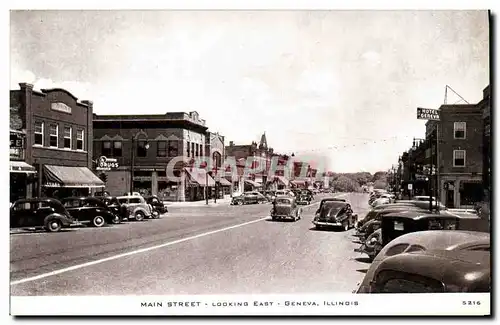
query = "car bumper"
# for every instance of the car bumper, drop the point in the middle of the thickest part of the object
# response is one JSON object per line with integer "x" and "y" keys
{"x": 327, "y": 224}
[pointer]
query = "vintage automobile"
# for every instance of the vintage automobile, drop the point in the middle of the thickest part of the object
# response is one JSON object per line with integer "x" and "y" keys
{"x": 116, "y": 207}
{"x": 48, "y": 214}
{"x": 424, "y": 204}
{"x": 429, "y": 241}
{"x": 335, "y": 212}
{"x": 249, "y": 198}
{"x": 90, "y": 210}
{"x": 303, "y": 198}
{"x": 399, "y": 223}
{"x": 159, "y": 207}
{"x": 285, "y": 207}
{"x": 137, "y": 207}
{"x": 373, "y": 212}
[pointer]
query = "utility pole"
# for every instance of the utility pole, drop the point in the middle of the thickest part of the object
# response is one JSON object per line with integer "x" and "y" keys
{"x": 430, "y": 169}
{"x": 132, "y": 166}
{"x": 206, "y": 187}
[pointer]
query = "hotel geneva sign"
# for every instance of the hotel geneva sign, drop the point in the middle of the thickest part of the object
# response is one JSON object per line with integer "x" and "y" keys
{"x": 61, "y": 107}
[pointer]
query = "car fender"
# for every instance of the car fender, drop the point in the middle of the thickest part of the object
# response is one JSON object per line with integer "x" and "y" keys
{"x": 136, "y": 209}
{"x": 64, "y": 219}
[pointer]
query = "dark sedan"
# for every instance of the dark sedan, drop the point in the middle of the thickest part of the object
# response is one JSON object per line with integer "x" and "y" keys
{"x": 90, "y": 210}
{"x": 335, "y": 213}
{"x": 45, "y": 213}
{"x": 249, "y": 198}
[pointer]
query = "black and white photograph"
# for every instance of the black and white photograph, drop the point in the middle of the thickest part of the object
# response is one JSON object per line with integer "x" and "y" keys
{"x": 250, "y": 162}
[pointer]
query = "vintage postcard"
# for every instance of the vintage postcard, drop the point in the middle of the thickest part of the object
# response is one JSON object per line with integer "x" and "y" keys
{"x": 250, "y": 162}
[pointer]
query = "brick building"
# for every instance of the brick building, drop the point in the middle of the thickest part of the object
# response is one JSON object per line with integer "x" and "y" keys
{"x": 458, "y": 176}
{"x": 56, "y": 129}
{"x": 485, "y": 106}
{"x": 144, "y": 145}
{"x": 215, "y": 149}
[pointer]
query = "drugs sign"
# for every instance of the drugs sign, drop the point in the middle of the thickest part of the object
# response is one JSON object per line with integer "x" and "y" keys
{"x": 427, "y": 114}
{"x": 104, "y": 163}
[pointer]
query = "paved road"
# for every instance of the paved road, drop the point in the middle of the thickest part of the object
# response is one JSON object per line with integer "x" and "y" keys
{"x": 194, "y": 250}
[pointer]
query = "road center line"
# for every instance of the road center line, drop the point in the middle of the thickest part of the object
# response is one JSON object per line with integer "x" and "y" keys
{"x": 114, "y": 257}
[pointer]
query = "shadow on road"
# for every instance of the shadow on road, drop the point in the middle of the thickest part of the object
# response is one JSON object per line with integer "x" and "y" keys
{"x": 357, "y": 242}
{"x": 363, "y": 260}
{"x": 282, "y": 220}
{"x": 333, "y": 229}
{"x": 39, "y": 231}
{"x": 362, "y": 271}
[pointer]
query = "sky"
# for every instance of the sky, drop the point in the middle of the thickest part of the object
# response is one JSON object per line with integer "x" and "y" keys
{"x": 340, "y": 87}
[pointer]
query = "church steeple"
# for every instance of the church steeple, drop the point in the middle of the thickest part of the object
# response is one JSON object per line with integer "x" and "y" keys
{"x": 263, "y": 142}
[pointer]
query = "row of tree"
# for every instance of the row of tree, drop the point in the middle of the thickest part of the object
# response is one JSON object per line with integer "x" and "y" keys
{"x": 355, "y": 182}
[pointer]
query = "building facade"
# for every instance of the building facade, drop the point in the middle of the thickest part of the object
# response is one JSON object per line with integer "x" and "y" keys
{"x": 485, "y": 106}
{"x": 56, "y": 129}
{"x": 458, "y": 164}
{"x": 155, "y": 154}
{"x": 216, "y": 150}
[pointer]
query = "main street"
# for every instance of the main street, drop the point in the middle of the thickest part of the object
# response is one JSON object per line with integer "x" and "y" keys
{"x": 217, "y": 249}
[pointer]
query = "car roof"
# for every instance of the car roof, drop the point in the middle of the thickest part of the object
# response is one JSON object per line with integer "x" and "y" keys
{"x": 34, "y": 200}
{"x": 442, "y": 239}
{"x": 129, "y": 197}
{"x": 455, "y": 267}
{"x": 333, "y": 199}
{"x": 418, "y": 214}
{"x": 92, "y": 198}
{"x": 392, "y": 205}
{"x": 284, "y": 197}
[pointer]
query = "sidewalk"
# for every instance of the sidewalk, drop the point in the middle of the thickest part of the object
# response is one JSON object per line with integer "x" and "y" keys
{"x": 224, "y": 201}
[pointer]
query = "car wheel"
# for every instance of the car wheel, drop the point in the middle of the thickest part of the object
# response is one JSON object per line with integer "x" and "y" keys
{"x": 155, "y": 214}
{"x": 139, "y": 216}
{"x": 116, "y": 220}
{"x": 53, "y": 225}
{"x": 274, "y": 218}
{"x": 240, "y": 202}
{"x": 98, "y": 221}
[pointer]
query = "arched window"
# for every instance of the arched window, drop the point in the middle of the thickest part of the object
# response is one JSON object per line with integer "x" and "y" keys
{"x": 217, "y": 159}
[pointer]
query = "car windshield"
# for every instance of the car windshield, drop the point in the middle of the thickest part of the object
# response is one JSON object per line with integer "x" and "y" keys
{"x": 283, "y": 201}
{"x": 332, "y": 207}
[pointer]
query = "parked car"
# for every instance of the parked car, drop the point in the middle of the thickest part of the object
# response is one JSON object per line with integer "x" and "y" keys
{"x": 399, "y": 223}
{"x": 303, "y": 198}
{"x": 285, "y": 207}
{"x": 248, "y": 198}
{"x": 431, "y": 261}
{"x": 90, "y": 210}
{"x": 373, "y": 212}
{"x": 424, "y": 204}
{"x": 137, "y": 207}
{"x": 157, "y": 204}
{"x": 335, "y": 213}
{"x": 101, "y": 194}
{"x": 116, "y": 207}
{"x": 45, "y": 213}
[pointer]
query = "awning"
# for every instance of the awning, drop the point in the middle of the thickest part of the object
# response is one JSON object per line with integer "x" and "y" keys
{"x": 199, "y": 176}
{"x": 254, "y": 184}
{"x": 224, "y": 182}
{"x": 283, "y": 180}
{"x": 21, "y": 167}
{"x": 64, "y": 176}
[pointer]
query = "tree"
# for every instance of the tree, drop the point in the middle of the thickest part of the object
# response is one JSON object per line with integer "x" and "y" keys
{"x": 380, "y": 184}
{"x": 345, "y": 184}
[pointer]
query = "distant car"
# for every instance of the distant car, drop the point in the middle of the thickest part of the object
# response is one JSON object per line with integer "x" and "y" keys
{"x": 45, "y": 213}
{"x": 423, "y": 204}
{"x": 101, "y": 194}
{"x": 431, "y": 261}
{"x": 137, "y": 207}
{"x": 90, "y": 210}
{"x": 303, "y": 198}
{"x": 335, "y": 213}
{"x": 285, "y": 192}
{"x": 115, "y": 206}
{"x": 157, "y": 204}
{"x": 285, "y": 207}
{"x": 249, "y": 198}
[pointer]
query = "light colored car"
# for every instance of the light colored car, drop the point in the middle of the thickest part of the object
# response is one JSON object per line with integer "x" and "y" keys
{"x": 284, "y": 193}
{"x": 137, "y": 207}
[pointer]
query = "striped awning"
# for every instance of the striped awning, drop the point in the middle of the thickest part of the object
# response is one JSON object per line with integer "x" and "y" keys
{"x": 254, "y": 184}
{"x": 65, "y": 176}
{"x": 21, "y": 167}
{"x": 224, "y": 182}
{"x": 199, "y": 176}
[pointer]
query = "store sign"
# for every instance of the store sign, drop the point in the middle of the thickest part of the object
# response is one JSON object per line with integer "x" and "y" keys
{"x": 16, "y": 140}
{"x": 105, "y": 163}
{"x": 61, "y": 107}
{"x": 428, "y": 114}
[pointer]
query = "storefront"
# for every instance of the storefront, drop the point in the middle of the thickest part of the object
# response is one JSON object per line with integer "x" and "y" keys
{"x": 251, "y": 185}
{"x": 198, "y": 183}
{"x": 64, "y": 181}
{"x": 22, "y": 177}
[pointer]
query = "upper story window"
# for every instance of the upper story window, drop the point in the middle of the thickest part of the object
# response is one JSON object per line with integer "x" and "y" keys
{"x": 197, "y": 150}
{"x": 459, "y": 130}
{"x": 192, "y": 149}
{"x": 106, "y": 148}
{"x": 141, "y": 148}
{"x": 173, "y": 148}
{"x": 39, "y": 133}
{"x": 117, "y": 148}
{"x": 458, "y": 158}
{"x": 162, "y": 149}
{"x": 217, "y": 159}
{"x": 79, "y": 140}
{"x": 67, "y": 137}
{"x": 54, "y": 135}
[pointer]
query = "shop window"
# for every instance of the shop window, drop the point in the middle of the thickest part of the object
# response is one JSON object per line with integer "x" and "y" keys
{"x": 161, "y": 149}
{"x": 217, "y": 159}
{"x": 117, "y": 149}
{"x": 196, "y": 150}
{"x": 67, "y": 137}
{"x": 141, "y": 148}
{"x": 106, "y": 148}
{"x": 458, "y": 158}
{"x": 459, "y": 130}
{"x": 53, "y": 135}
{"x": 39, "y": 133}
{"x": 79, "y": 140}
{"x": 173, "y": 148}
{"x": 187, "y": 150}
